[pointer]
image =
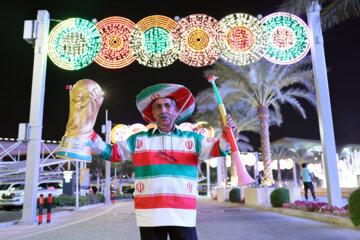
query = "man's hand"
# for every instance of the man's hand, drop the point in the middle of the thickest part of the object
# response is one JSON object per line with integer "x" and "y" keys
{"x": 229, "y": 123}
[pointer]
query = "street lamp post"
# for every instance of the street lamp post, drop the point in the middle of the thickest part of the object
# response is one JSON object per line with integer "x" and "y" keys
{"x": 324, "y": 108}
{"x": 41, "y": 31}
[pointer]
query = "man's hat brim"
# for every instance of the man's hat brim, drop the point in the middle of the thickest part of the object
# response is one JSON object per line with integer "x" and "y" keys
{"x": 184, "y": 99}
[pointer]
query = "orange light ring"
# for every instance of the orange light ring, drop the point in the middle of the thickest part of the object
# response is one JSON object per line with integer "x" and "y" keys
{"x": 115, "y": 51}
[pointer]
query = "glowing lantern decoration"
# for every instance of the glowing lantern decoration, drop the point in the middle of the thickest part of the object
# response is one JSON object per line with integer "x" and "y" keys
{"x": 212, "y": 162}
{"x": 151, "y": 42}
{"x": 248, "y": 159}
{"x": 186, "y": 126}
{"x": 74, "y": 43}
{"x": 150, "y": 125}
{"x": 199, "y": 35}
{"x": 137, "y": 127}
{"x": 119, "y": 133}
{"x": 115, "y": 50}
{"x": 288, "y": 38}
{"x": 245, "y": 41}
{"x": 205, "y": 129}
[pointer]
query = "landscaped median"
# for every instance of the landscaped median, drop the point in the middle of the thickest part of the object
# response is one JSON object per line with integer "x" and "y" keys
{"x": 322, "y": 217}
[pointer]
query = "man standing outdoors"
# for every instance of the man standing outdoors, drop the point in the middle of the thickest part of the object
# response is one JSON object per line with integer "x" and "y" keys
{"x": 308, "y": 178}
{"x": 166, "y": 162}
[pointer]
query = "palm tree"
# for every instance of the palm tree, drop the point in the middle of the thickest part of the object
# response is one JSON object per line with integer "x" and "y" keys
{"x": 277, "y": 153}
{"x": 245, "y": 120}
{"x": 263, "y": 86}
{"x": 333, "y": 12}
{"x": 299, "y": 155}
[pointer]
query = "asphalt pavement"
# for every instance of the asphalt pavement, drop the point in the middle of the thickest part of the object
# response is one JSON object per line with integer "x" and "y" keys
{"x": 214, "y": 221}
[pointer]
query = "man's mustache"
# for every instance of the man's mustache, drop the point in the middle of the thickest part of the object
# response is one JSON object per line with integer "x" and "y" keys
{"x": 164, "y": 115}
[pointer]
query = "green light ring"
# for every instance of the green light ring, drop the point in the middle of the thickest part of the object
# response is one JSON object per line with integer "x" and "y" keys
{"x": 208, "y": 52}
{"x": 63, "y": 32}
{"x": 255, "y": 51}
{"x": 299, "y": 48}
{"x": 141, "y": 52}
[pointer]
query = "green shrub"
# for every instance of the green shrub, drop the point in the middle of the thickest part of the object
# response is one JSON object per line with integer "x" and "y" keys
{"x": 124, "y": 196}
{"x": 65, "y": 200}
{"x": 234, "y": 195}
{"x": 354, "y": 207}
{"x": 279, "y": 196}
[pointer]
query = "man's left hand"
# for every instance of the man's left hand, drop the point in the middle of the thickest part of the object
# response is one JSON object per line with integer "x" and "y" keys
{"x": 229, "y": 123}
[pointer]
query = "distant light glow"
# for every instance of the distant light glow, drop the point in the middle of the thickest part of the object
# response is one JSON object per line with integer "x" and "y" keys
{"x": 289, "y": 38}
{"x": 151, "y": 43}
{"x": 73, "y": 44}
{"x": 199, "y": 35}
{"x": 204, "y": 128}
{"x": 115, "y": 50}
{"x": 119, "y": 133}
{"x": 137, "y": 127}
{"x": 245, "y": 41}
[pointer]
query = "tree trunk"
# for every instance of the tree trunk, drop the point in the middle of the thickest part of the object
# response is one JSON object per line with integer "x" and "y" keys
{"x": 279, "y": 174}
{"x": 234, "y": 176}
{"x": 263, "y": 114}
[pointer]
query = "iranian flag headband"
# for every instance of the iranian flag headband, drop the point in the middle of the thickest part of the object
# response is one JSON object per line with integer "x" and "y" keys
{"x": 184, "y": 100}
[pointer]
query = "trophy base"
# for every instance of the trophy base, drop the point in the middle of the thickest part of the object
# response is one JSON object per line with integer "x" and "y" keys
{"x": 75, "y": 149}
{"x": 73, "y": 156}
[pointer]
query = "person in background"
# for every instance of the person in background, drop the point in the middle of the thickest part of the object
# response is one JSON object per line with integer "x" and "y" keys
{"x": 307, "y": 178}
{"x": 166, "y": 161}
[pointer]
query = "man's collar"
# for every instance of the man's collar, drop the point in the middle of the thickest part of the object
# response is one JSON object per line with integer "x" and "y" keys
{"x": 175, "y": 129}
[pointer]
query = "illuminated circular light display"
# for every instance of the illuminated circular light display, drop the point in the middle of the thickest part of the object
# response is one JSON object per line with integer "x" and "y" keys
{"x": 137, "y": 127}
{"x": 119, "y": 133}
{"x": 74, "y": 43}
{"x": 289, "y": 38}
{"x": 151, "y": 42}
{"x": 186, "y": 126}
{"x": 115, "y": 50}
{"x": 205, "y": 129}
{"x": 245, "y": 41}
{"x": 199, "y": 35}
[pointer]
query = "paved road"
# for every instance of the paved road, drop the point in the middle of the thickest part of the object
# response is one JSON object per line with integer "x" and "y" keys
{"x": 215, "y": 221}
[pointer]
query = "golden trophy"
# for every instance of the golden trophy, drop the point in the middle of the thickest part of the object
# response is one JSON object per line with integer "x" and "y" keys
{"x": 86, "y": 98}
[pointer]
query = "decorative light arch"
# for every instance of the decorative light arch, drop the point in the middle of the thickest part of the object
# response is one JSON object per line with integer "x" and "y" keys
{"x": 74, "y": 43}
{"x": 245, "y": 41}
{"x": 151, "y": 42}
{"x": 119, "y": 133}
{"x": 199, "y": 35}
{"x": 115, "y": 50}
{"x": 289, "y": 38}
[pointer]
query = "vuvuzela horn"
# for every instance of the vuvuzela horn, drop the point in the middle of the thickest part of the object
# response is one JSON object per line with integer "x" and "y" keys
{"x": 243, "y": 176}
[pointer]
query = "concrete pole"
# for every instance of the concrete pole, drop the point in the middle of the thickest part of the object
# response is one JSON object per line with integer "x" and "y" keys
{"x": 36, "y": 117}
{"x": 208, "y": 177}
{"x": 219, "y": 172}
{"x": 107, "y": 163}
{"x": 77, "y": 186}
{"x": 324, "y": 107}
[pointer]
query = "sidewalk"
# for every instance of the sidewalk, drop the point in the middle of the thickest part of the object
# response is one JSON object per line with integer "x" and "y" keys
{"x": 215, "y": 221}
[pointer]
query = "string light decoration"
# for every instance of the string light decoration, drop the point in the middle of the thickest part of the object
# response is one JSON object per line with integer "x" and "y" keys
{"x": 74, "y": 43}
{"x": 205, "y": 129}
{"x": 115, "y": 51}
{"x": 137, "y": 127}
{"x": 289, "y": 38}
{"x": 119, "y": 133}
{"x": 199, "y": 35}
{"x": 151, "y": 42}
{"x": 245, "y": 40}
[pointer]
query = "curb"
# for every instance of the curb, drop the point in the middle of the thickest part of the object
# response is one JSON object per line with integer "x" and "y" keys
{"x": 57, "y": 214}
{"x": 336, "y": 220}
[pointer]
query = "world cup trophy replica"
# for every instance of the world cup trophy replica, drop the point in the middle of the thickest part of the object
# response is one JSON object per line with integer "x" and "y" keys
{"x": 86, "y": 98}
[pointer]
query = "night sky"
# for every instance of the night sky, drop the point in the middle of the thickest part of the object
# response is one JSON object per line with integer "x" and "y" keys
{"x": 122, "y": 85}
